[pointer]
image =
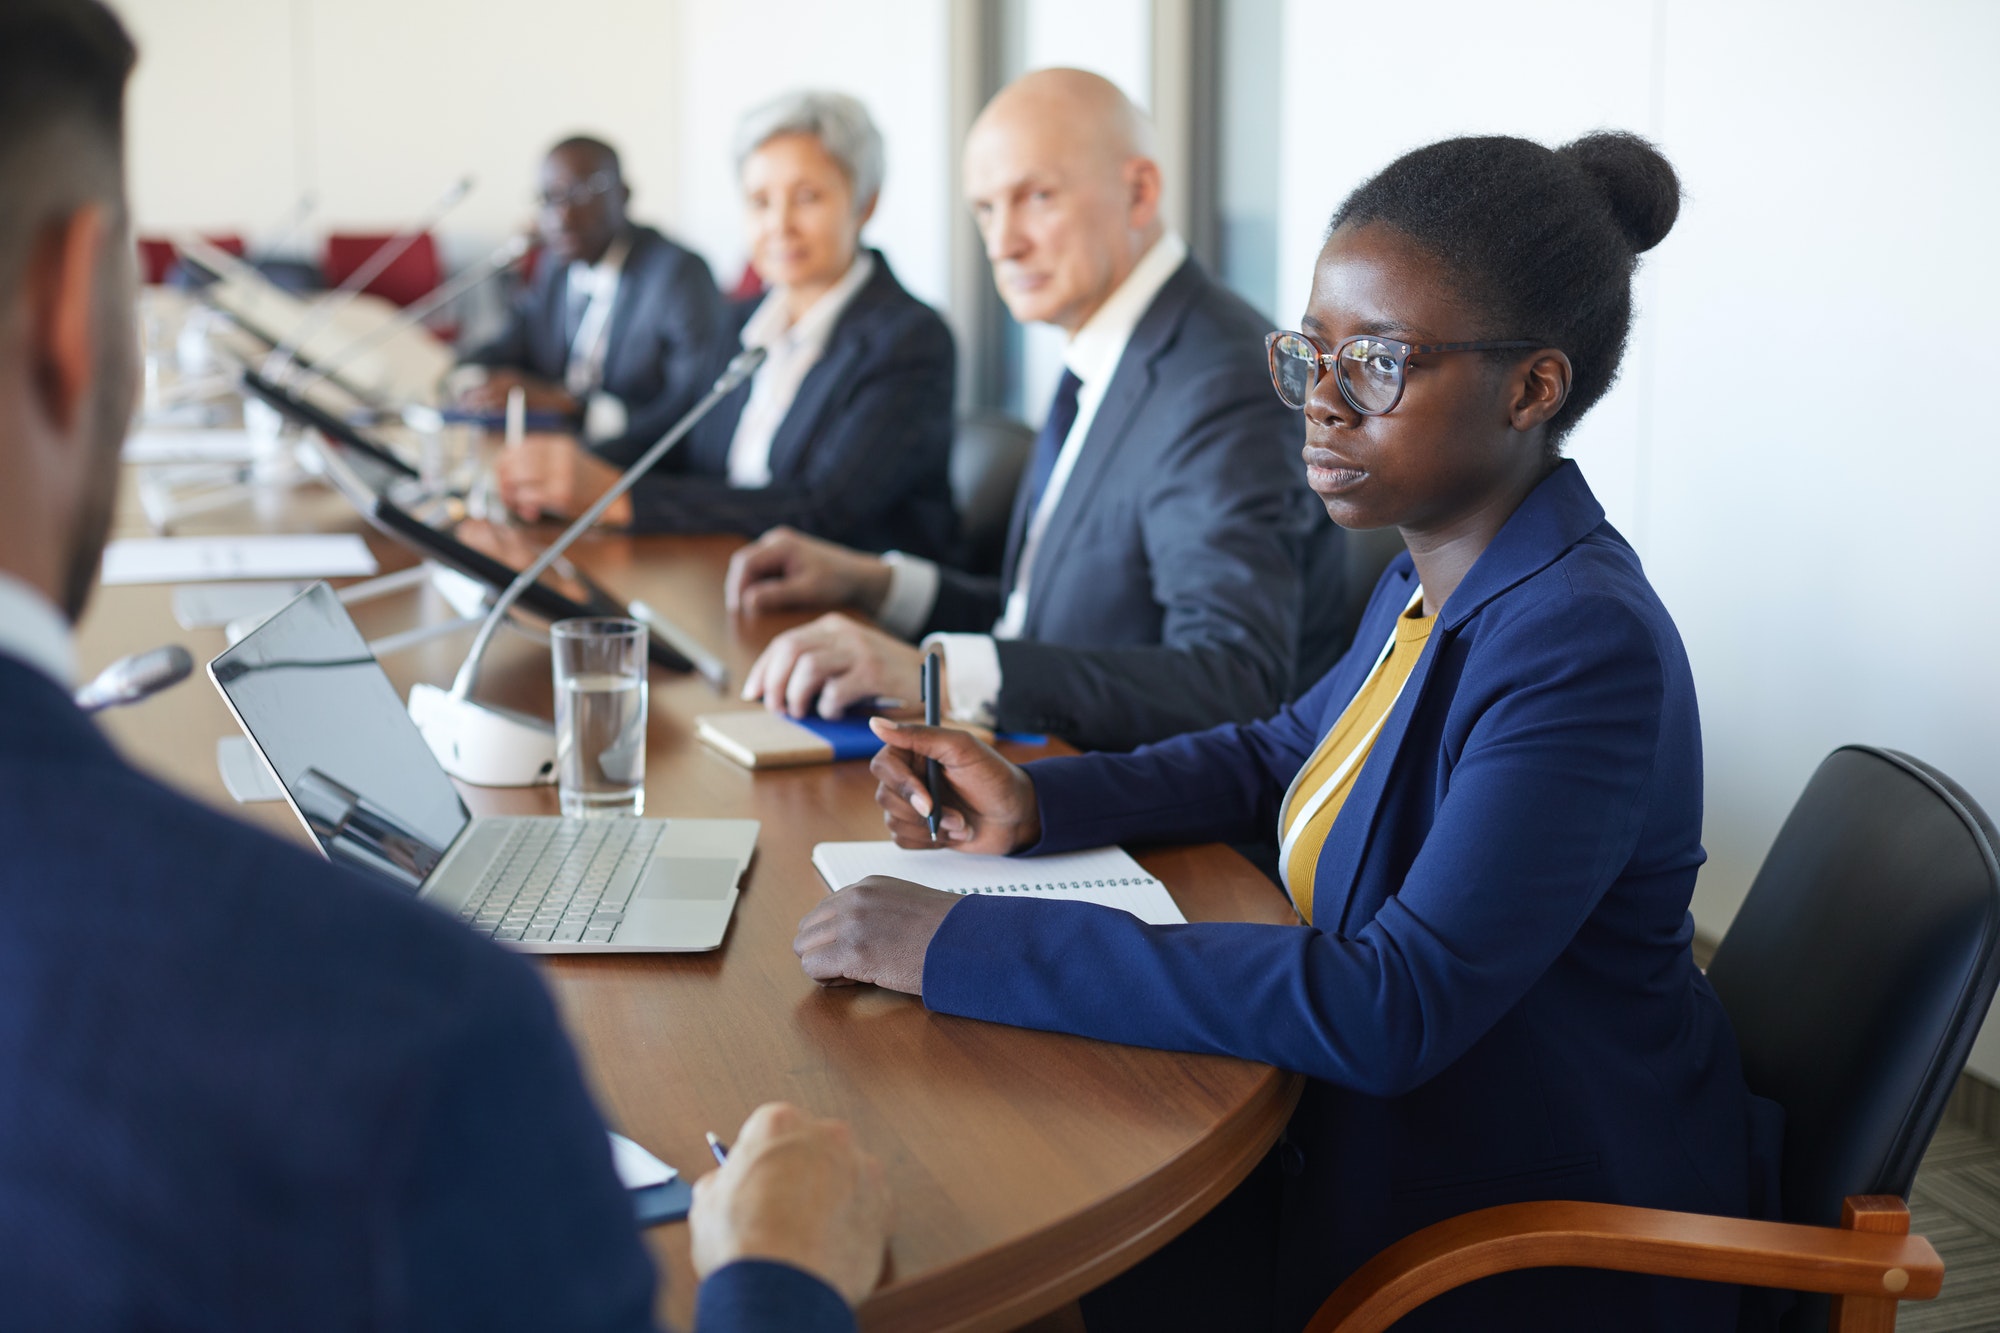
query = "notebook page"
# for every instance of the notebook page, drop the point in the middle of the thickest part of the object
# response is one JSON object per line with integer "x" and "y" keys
{"x": 1105, "y": 875}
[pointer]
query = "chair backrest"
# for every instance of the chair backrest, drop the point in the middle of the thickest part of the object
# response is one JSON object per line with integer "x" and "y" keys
{"x": 1859, "y": 970}
{"x": 159, "y": 258}
{"x": 988, "y": 454}
{"x": 410, "y": 277}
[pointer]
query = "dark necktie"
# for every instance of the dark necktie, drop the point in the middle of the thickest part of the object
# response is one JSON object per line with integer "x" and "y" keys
{"x": 1048, "y": 445}
{"x": 1042, "y": 462}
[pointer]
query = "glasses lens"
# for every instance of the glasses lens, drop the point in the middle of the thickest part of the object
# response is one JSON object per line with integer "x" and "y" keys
{"x": 1370, "y": 374}
{"x": 1294, "y": 368}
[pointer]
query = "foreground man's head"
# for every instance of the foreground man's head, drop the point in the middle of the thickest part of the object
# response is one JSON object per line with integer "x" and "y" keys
{"x": 68, "y": 349}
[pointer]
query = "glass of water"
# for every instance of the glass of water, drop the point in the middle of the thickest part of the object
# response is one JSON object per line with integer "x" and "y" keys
{"x": 600, "y": 670}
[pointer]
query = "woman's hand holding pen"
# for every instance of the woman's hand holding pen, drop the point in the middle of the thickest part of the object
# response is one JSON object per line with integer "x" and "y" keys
{"x": 989, "y": 806}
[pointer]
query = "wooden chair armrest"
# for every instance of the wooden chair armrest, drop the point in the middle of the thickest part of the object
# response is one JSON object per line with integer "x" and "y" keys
{"x": 1463, "y": 1249}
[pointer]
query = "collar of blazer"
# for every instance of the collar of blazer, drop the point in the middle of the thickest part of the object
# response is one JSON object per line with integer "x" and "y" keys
{"x": 39, "y": 720}
{"x": 1124, "y": 401}
{"x": 1556, "y": 515}
{"x": 847, "y": 347}
{"x": 646, "y": 248}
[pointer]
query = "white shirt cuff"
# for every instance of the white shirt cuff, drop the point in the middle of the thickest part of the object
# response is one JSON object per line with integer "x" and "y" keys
{"x": 972, "y": 675}
{"x": 604, "y": 418}
{"x": 913, "y": 590}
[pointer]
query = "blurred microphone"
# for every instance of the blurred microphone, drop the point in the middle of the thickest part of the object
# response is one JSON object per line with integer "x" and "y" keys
{"x": 330, "y": 304}
{"x": 496, "y": 747}
{"x": 485, "y": 270}
{"x": 140, "y": 676}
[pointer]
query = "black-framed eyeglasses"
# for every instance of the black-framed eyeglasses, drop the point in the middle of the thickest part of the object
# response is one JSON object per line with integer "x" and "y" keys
{"x": 1368, "y": 369}
{"x": 577, "y": 195}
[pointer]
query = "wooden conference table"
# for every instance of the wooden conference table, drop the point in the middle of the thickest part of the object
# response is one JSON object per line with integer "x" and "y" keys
{"x": 1027, "y": 1167}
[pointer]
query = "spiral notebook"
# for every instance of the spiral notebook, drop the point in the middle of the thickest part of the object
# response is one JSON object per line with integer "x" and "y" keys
{"x": 1105, "y": 876}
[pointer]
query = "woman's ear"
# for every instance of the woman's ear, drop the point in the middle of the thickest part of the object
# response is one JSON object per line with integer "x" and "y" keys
{"x": 1541, "y": 388}
{"x": 867, "y": 212}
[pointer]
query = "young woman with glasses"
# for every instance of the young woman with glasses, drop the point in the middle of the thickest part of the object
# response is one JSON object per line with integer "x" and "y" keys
{"x": 1489, "y": 813}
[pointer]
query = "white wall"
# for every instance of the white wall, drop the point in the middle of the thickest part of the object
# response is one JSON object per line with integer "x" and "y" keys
{"x": 378, "y": 105}
{"x": 1823, "y": 534}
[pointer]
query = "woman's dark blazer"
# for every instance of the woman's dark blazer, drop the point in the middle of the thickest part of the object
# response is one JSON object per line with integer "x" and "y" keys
{"x": 861, "y": 458}
{"x": 1496, "y": 1000}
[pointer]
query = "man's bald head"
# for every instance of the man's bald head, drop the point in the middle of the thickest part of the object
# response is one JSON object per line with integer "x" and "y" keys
{"x": 1060, "y": 174}
{"x": 1088, "y": 110}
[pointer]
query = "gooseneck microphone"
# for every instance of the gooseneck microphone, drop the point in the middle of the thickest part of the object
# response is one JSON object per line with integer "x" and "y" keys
{"x": 329, "y": 305}
{"x": 140, "y": 676}
{"x": 496, "y": 747}
{"x": 502, "y": 259}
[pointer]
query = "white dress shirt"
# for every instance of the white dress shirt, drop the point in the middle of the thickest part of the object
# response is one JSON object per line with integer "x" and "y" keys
{"x": 792, "y": 351}
{"x": 590, "y": 296}
{"x": 972, "y": 661}
{"x": 34, "y": 632}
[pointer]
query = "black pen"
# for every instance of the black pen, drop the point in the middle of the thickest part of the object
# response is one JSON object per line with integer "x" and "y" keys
{"x": 716, "y": 1148}
{"x": 931, "y": 692}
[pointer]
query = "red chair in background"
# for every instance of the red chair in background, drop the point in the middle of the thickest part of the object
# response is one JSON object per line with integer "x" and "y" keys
{"x": 157, "y": 255}
{"x": 410, "y": 277}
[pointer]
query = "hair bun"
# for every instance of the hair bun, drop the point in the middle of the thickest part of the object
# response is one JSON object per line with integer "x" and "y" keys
{"x": 1638, "y": 183}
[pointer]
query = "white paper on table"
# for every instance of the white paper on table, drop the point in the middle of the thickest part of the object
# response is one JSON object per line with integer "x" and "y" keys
{"x": 636, "y": 1167}
{"x": 200, "y": 559}
{"x": 1106, "y": 876}
{"x": 190, "y": 446}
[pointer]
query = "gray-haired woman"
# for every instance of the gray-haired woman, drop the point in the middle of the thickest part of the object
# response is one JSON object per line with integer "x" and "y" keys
{"x": 845, "y": 430}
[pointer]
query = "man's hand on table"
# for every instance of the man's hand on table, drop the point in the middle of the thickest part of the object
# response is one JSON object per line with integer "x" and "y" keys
{"x": 797, "y": 1191}
{"x": 785, "y": 570}
{"x": 552, "y": 476}
{"x": 833, "y": 664}
{"x": 877, "y": 930}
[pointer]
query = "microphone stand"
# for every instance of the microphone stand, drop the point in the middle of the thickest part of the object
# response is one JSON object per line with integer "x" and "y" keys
{"x": 497, "y": 747}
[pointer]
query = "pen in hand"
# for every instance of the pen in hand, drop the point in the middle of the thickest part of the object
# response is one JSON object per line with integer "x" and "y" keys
{"x": 931, "y": 717}
{"x": 716, "y": 1148}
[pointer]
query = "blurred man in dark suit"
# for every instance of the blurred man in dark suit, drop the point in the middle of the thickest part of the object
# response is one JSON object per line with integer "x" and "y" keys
{"x": 242, "y": 1088}
{"x": 615, "y": 331}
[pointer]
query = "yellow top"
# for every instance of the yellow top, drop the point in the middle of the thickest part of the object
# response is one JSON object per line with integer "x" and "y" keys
{"x": 1350, "y": 739}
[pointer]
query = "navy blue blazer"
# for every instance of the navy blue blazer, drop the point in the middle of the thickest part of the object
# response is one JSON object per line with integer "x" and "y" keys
{"x": 1170, "y": 589}
{"x": 863, "y": 457}
{"x": 242, "y": 1088}
{"x": 1496, "y": 1000}
{"x": 663, "y": 324}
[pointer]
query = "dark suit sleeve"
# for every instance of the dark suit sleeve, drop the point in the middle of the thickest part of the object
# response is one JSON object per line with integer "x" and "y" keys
{"x": 752, "y": 1295}
{"x": 1224, "y": 534}
{"x": 1543, "y": 809}
{"x": 510, "y": 1216}
{"x": 508, "y": 349}
{"x": 893, "y": 422}
{"x": 690, "y": 314}
{"x": 966, "y": 603}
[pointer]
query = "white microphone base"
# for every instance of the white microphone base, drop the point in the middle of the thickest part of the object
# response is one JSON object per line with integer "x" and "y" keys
{"x": 488, "y": 747}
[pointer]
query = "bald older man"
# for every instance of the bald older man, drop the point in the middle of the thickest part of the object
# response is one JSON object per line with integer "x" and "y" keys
{"x": 1162, "y": 540}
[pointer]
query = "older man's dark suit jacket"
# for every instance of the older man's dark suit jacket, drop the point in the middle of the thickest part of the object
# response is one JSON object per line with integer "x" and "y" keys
{"x": 663, "y": 325}
{"x": 1187, "y": 576}
{"x": 244, "y": 1089}
{"x": 863, "y": 457}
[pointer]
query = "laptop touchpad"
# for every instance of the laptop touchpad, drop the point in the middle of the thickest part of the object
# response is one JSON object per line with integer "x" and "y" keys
{"x": 688, "y": 879}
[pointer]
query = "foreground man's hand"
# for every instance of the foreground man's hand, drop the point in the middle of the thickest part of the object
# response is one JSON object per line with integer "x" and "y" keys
{"x": 795, "y": 1190}
{"x": 490, "y": 394}
{"x": 833, "y": 664}
{"x": 784, "y": 570}
{"x": 553, "y": 476}
{"x": 876, "y": 930}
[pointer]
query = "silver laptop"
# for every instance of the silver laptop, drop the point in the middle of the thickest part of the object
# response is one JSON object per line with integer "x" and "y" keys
{"x": 316, "y": 706}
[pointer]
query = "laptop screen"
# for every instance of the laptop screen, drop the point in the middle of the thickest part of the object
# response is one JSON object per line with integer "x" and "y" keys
{"x": 314, "y": 700}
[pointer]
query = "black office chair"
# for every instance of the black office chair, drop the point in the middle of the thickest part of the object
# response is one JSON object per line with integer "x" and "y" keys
{"x": 989, "y": 451}
{"x": 1857, "y": 975}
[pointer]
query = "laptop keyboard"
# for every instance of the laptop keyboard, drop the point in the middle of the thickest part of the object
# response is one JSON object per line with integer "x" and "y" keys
{"x": 562, "y": 880}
